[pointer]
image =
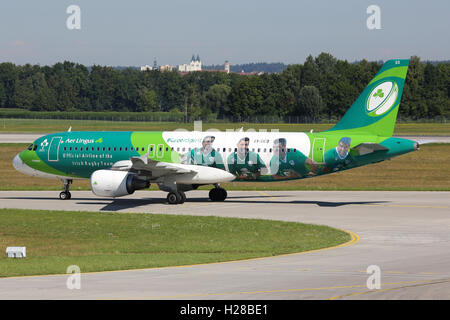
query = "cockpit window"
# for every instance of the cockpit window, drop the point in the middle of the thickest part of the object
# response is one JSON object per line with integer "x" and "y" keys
{"x": 35, "y": 147}
{"x": 30, "y": 147}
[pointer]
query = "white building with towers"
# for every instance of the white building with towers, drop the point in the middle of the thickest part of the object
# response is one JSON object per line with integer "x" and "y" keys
{"x": 194, "y": 65}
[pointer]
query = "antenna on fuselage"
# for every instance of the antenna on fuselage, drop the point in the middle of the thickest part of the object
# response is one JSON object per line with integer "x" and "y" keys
{"x": 70, "y": 129}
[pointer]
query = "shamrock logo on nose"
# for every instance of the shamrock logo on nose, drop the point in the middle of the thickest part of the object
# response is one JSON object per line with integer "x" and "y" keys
{"x": 44, "y": 143}
{"x": 379, "y": 93}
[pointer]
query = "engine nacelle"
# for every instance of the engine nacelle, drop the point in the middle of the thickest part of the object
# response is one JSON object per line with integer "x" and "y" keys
{"x": 109, "y": 183}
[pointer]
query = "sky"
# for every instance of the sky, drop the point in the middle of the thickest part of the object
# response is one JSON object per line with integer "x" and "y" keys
{"x": 134, "y": 33}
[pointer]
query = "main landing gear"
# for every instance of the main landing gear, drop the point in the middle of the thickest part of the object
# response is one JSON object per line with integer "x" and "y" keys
{"x": 218, "y": 194}
{"x": 66, "y": 195}
{"x": 177, "y": 197}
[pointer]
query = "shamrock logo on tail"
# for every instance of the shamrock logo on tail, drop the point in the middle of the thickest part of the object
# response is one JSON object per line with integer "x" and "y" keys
{"x": 379, "y": 93}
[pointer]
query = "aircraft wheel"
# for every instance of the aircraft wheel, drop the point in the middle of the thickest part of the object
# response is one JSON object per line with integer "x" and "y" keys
{"x": 223, "y": 194}
{"x": 217, "y": 194}
{"x": 173, "y": 198}
{"x": 182, "y": 196}
{"x": 65, "y": 195}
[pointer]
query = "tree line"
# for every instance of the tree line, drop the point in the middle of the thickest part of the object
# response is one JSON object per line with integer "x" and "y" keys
{"x": 322, "y": 88}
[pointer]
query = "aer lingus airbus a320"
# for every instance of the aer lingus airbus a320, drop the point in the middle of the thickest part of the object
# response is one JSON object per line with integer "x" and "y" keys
{"x": 118, "y": 163}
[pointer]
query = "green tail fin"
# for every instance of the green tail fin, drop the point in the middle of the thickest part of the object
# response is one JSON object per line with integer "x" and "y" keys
{"x": 375, "y": 110}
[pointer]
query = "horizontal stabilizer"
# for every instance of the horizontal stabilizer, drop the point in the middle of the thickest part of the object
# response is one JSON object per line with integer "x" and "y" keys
{"x": 366, "y": 148}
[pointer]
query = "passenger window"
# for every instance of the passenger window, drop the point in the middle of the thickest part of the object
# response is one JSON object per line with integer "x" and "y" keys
{"x": 70, "y": 148}
{"x": 126, "y": 149}
{"x": 120, "y": 149}
{"x": 142, "y": 149}
{"x": 224, "y": 149}
{"x": 64, "y": 148}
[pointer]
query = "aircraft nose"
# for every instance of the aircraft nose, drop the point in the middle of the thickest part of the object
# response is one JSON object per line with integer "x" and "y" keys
{"x": 18, "y": 163}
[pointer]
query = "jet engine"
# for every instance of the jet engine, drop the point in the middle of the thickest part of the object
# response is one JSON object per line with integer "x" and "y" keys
{"x": 110, "y": 183}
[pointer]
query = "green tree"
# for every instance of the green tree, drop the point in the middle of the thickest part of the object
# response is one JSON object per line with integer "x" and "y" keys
{"x": 147, "y": 100}
{"x": 291, "y": 78}
{"x": 216, "y": 98}
{"x": 310, "y": 73}
{"x": 2, "y": 95}
{"x": 23, "y": 93}
{"x": 310, "y": 103}
{"x": 193, "y": 103}
{"x": 413, "y": 106}
{"x": 8, "y": 77}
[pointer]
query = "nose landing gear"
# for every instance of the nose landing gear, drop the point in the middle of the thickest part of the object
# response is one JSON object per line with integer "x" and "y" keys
{"x": 66, "y": 195}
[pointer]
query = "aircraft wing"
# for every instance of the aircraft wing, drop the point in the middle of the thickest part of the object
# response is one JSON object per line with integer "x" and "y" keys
{"x": 366, "y": 148}
{"x": 146, "y": 164}
{"x": 182, "y": 173}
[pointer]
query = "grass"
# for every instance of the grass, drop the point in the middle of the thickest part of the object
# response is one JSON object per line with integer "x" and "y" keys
{"x": 97, "y": 241}
{"x": 427, "y": 169}
{"x": 49, "y": 126}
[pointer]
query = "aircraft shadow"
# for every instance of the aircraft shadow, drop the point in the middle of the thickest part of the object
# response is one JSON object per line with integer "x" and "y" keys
{"x": 122, "y": 204}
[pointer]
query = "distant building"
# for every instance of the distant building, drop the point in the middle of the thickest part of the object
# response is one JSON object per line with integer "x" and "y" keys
{"x": 146, "y": 68}
{"x": 227, "y": 66}
{"x": 165, "y": 68}
{"x": 194, "y": 65}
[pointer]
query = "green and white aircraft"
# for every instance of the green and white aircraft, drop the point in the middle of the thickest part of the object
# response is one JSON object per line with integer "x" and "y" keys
{"x": 118, "y": 163}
